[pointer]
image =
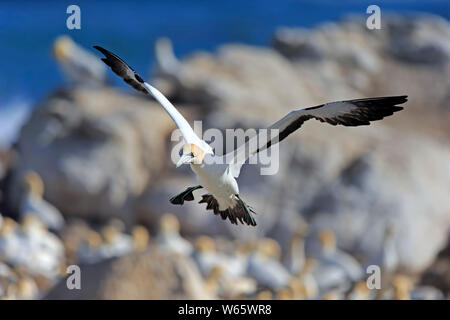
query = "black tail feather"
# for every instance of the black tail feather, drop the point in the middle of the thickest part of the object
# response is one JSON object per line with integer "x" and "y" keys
{"x": 240, "y": 211}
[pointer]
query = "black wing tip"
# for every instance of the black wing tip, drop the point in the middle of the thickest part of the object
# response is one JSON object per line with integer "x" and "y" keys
{"x": 119, "y": 67}
{"x": 388, "y": 99}
{"x": 102, "y": 50}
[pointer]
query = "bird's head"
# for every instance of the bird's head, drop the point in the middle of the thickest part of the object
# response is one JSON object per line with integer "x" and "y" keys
{"x": 140, "y": 238}
{"x": 62, "y": 47}
{"x": 402, "y": 287}
{"x": 327, "y": 239}
{"x": 31, "y": 222}
{"x": 94, "y": 240}
{"x": 169, "y": 223}
{"x": 269, "y": 248}
{"x": 205, "y": 244}
{"x": 7, "y": 227}
{"x": 191, "y": 153}
{"x": 33, "y": 183}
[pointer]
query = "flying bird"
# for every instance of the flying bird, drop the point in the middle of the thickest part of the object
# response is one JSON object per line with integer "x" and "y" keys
{"x": 217, "y": 173}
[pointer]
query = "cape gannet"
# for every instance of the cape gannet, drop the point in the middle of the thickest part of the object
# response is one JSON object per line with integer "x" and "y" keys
{"x": 218, "y": 175}
{"x": 33, "y": 203}
{"x": 79, "y": 66}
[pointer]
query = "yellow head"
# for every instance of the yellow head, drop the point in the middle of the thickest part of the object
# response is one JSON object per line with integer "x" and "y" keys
{"x": 94, "y": 240}
{"x": 110, "y": 234}
{"x": 8, "y": 226}
{"x": 169, "y": 223}
{"x": 62, "y": 47}
{"x": 33, "y": 183}
{"x": 269, "y": 248}
{"x": 215, "y": 273}
{"x": 31, "y": 221}
{"x": 264, "y": 295}
{"x": 140, "y": 238}
{"x": 205, "y": 244}
{"x": 402, "y": 287}
{"x": 191, "y": 153}
{"x": 285, "y": 294}
{"x": 327, "y": 239}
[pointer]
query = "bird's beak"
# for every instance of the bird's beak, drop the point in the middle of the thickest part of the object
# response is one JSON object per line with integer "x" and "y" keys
{"x": 185, "y": 158}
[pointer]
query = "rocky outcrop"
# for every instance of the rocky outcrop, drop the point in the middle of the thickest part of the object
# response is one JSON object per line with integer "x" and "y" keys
{"x": 96, "y": 150}
{"x": 140, "y": 275}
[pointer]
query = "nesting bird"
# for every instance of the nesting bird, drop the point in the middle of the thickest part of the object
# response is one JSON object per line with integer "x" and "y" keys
{"x": 116, "y": 242}
{"x": 140, "y": 238}
{"x": 208, "y": 257}
{"x": 229, "y": 287}
{"x": 169, "y": 239}
{"x": 304, "y": 285}
{"x": 361, "y": 291}
{"x": 80, "y": 67}
{"x": 264, "y": 266}
{"x": 336, "y": 268}
{"x": 89, "y": 251}
{"x": 295, "y": 258}
{"x": 12, "y": 243}
{"x": 33, "y": 203}
{"x": 46, "y": 251}
{"x": 387, "y": 256}
{"x": 111, "y": 242}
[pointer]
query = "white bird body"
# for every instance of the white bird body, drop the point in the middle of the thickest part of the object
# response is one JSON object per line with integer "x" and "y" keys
{"x": 218, "y": 177}
{"x": 219, "y": 181}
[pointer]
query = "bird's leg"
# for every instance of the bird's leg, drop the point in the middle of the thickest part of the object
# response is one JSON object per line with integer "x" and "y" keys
{"x": 186, "y": 195}
{"x": 248, "y": 210}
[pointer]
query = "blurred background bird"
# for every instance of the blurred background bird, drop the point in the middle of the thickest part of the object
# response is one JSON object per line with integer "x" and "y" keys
{"x": 79, "y": 66}
{"x": 33, "y": 203}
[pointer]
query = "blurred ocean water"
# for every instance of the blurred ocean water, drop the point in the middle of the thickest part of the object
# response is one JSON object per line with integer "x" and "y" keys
{"x": 28, "y": 29}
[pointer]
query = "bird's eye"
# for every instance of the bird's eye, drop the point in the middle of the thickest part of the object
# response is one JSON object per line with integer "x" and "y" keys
{"x": 181, "y": 152}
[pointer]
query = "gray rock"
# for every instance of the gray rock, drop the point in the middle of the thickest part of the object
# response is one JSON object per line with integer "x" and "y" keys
{"x": 96, "y": 150}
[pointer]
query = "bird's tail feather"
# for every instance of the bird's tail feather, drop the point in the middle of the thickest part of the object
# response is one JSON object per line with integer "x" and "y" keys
{"x": 240, "y": 212}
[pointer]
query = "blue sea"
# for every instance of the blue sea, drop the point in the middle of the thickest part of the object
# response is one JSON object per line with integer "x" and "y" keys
{"x": 28, "y": 29}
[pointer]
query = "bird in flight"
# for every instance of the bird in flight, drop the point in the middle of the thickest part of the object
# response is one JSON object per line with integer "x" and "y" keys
{"x": 217, "y": 173}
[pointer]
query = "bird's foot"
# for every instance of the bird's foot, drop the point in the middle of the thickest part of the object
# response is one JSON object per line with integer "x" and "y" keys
{"x": 186, "y": 195}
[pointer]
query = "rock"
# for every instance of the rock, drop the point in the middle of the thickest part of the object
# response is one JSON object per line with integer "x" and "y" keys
{"x": 419, "y": 41}
{"x": 96, "y": 151}
{"x": 144, "y": 275}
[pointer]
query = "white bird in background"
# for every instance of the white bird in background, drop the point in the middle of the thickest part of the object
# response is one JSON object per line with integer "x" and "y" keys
{"x": 169, "y": 239}
{"x": 208, "y": 257}
{"x": 217, "y": 173}
{"x": 78, "y": 65}
{"x": 295, "y": 258}
{"x": 264, "y": 266}
{"x": 168, "y": 63}
{"x": 33, "y": 203}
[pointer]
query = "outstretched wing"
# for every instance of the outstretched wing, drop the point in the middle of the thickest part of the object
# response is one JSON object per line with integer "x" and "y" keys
{"x": 356, "y": 112}
{"x": 123, "y": 70}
